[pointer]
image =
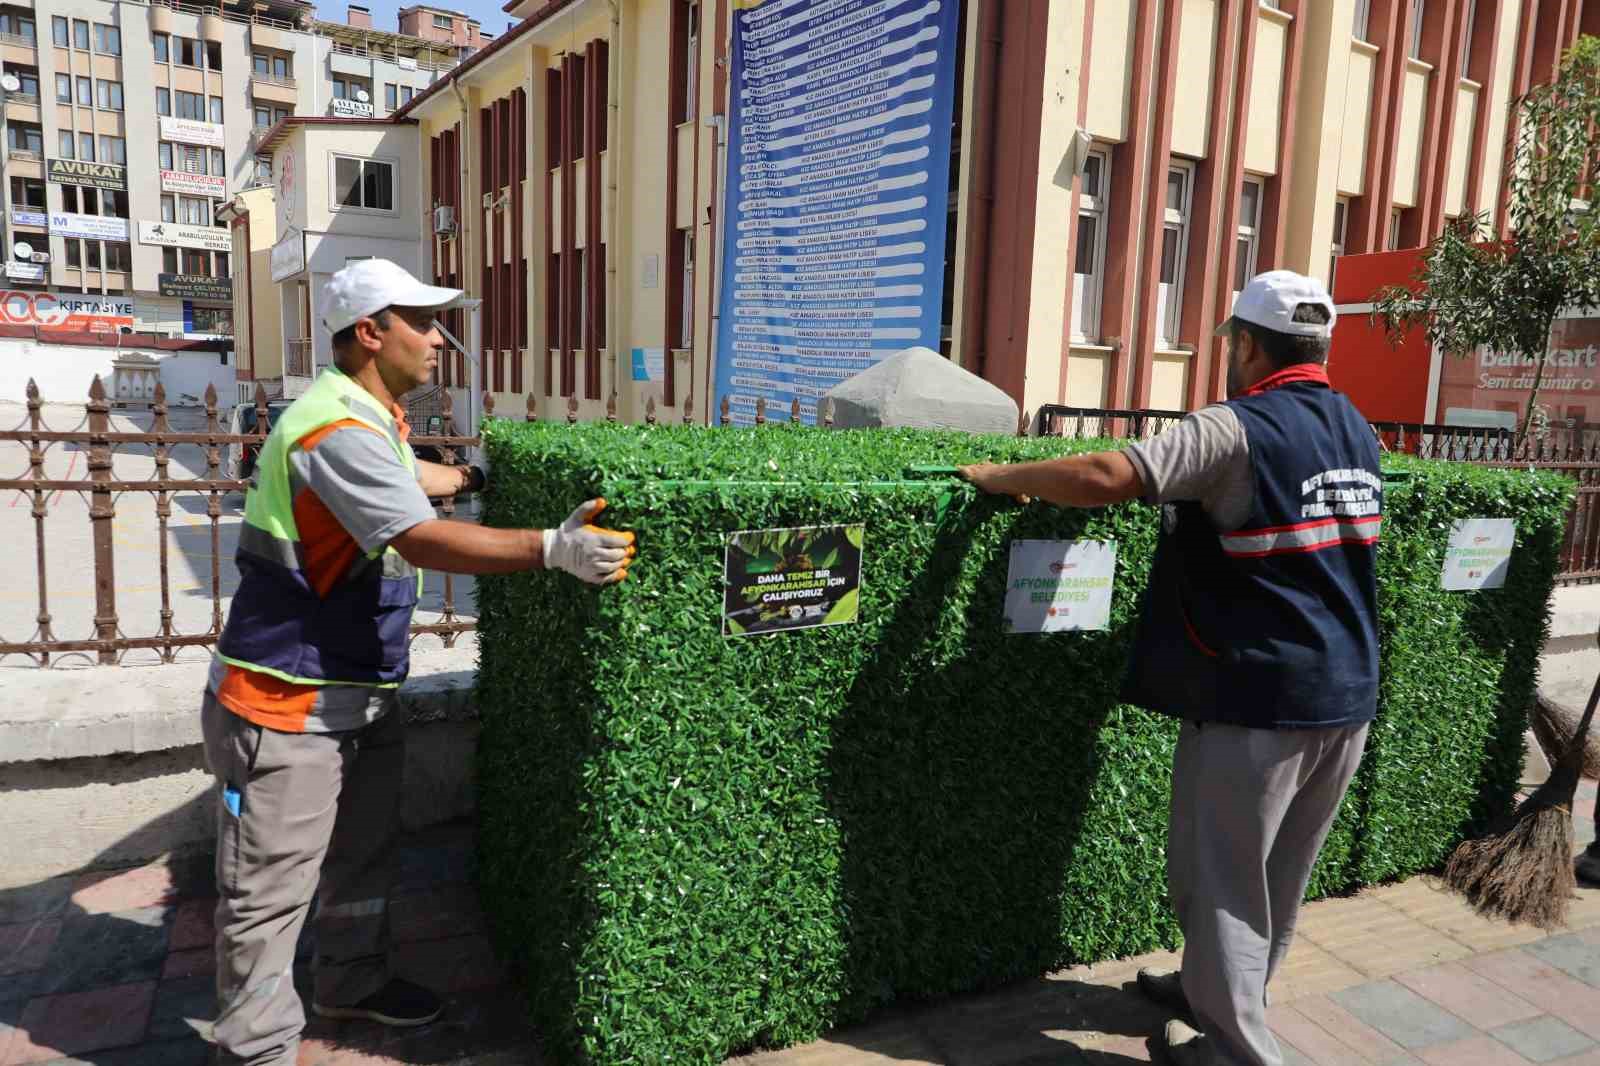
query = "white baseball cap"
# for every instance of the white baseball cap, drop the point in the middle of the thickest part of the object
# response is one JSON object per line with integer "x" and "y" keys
{"x": 1270, "y": 300}
{"x": 367, "y": 286}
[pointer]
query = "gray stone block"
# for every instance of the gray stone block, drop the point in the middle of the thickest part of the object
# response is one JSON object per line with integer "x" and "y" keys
{"x": 1543, "y": 1039}
{"x": 920, "y": 388}
{"x": 1402, "y": 1015}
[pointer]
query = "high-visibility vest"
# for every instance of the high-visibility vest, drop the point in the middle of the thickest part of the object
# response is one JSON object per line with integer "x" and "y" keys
{"x": 358, "y": 633}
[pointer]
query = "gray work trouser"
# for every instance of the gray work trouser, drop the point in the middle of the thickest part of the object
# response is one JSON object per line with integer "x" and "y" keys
{"x": 309, "y": 805}
{"x": 1250, "y": 810}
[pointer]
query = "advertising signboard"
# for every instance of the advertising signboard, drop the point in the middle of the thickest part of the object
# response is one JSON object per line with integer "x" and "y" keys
{"x": 191, "y": 131}
{"x": 90, "y": 175}
{"x": 350, "y": 108}
{"x": 175, "y": 235}
{"x": 195, "y": 287}
{"x": 89, "y": 227}
{"x": 289, "y": 255}
{"x": 68, "y": 311}
{"x": 181, "y": 181}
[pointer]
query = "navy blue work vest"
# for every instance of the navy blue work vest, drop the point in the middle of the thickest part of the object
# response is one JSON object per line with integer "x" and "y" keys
{"x": 1273, "y": 625}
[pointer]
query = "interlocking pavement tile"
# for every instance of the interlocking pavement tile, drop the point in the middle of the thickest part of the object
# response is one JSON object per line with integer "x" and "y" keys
{"x": 449, "y": 911}
{"x": 183, "y": 1008}
{"x": 43, "y": 899}
{"x": 1308, "y": 971}
{"x": 108, "y": 891}
{"x": 1477, "y": 1050}
{"x": 1426, "y": 900}
{"x": 1402, "y": 1015}
{"x": 322, "y": 1051}
{"x": 192, "y": 927}
{"x": 1570, "y": 954}
{"x": 200, "y": 962}
{"x": 868, "y": 1045}
{"x": 25, "y": 945}
{"x": 79, "y": 1022}
{"x": 1543, "y": 985}
{"x": 1468, "y": 995}
{"x": 451, "y": 966}
{"x": 1369, "y": 935}
{"x": 1292, "y": 1056}
{"x": 1311, "y": 1040}
{"x": 1123, "y": 1049}
{"x": 1363, "y": 1039}
{"x": 1585, "y": 1058}
{"x": 94, "y": 950}
{"x": 1543, "y": 1039}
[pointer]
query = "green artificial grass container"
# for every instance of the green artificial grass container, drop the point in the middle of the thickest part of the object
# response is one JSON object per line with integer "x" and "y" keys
{"x": 692, "y": 843}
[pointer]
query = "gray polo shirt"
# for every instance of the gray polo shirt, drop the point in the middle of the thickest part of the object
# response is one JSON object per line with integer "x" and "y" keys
{"x": 1204, "y": 459}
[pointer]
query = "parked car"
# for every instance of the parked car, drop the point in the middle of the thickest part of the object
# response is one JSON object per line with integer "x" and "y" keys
{"x": 239, "y": 460}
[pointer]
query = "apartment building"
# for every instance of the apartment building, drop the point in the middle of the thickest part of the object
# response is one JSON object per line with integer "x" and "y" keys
{"x": 440, "y": 25}
{"x": 1119, "y": 168}
{"x": 131, "y": 124}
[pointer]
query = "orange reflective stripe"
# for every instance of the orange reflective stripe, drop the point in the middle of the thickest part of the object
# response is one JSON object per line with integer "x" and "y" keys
{"x": 317, "y": 436}
{"x": 329, "y": 550}
{"x": 267, "y": 701}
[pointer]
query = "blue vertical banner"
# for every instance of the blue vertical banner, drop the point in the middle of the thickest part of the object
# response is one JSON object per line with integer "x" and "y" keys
{"x": 838, "y": 187}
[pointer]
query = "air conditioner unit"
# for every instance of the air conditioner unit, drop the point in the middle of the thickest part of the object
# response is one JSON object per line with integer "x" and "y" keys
{"x": 444, "y": 220}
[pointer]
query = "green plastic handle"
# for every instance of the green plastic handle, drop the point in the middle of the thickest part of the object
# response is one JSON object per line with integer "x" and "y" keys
{"x": 928, "y": 470}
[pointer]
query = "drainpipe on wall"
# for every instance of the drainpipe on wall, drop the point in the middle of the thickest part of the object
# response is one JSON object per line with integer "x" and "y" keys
{"x": 462, "y": 232}
{"x": 614, "y": 149}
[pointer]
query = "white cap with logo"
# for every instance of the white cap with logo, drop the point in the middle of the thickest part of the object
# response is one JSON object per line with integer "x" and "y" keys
{"x": 367, "y": 286}
{"x": 1271, "y": 301}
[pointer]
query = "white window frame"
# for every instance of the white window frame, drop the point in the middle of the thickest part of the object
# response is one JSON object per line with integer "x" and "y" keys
{"x": 691, "y": 57}
{"x": 1470, "y": 13}
{"x": 392, "y": 162}
{"x": 686, "y": 299}
{"x": 1341, "y": 233}
{"x": 443, "y": 22}
{"x": 1169, "y": 294}
{"x": 1249, "y": 230}
{"x": 1392, "y": 241}
{"x": 1088, "y": 287}
{"x": 1361, "y": 25}
{"x": 1419, "y": 12}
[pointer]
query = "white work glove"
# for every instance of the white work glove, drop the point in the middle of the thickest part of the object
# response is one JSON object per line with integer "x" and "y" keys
{"x": 587, "y": 552}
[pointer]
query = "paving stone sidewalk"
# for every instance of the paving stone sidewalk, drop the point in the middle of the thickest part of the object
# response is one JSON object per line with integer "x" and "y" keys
{"x": 115, "y": 969}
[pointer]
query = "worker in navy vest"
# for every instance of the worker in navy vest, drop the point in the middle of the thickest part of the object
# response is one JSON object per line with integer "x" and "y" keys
{"x": 1259, "y": 633}
{"x": 300, "y": 716}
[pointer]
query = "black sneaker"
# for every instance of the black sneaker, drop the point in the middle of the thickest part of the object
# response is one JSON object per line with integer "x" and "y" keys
{"x": 398, "y": 1003}
{"x": 1164, "y": 987}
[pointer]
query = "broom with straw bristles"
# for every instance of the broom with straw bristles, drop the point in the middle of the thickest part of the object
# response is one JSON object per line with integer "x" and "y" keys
{"x": 1523, "y": 871}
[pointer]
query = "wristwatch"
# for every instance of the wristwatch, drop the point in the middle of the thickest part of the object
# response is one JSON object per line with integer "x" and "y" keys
{"x": 474, "y": 480}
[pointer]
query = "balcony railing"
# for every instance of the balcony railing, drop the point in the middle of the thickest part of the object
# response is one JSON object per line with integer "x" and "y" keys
{"x": 19, "y": 39}
{"x": 273, "y": 79}
{"x": 297, "y": 357}
{"x": 19, "y": 97}
{"x": 26, "y": 155}
{"x": 227, "y": 16}
{"x": 363, "y": 52}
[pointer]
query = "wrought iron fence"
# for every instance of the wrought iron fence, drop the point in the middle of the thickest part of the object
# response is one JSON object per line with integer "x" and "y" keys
{"x": 1574, "y": 451}
{"x": 96, "y": 438}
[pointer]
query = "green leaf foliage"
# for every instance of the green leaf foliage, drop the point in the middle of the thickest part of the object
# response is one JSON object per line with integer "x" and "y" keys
{"x": 692, "y": 844}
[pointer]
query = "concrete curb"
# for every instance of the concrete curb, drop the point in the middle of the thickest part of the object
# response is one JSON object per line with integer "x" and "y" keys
{"x": 135, "y": 710}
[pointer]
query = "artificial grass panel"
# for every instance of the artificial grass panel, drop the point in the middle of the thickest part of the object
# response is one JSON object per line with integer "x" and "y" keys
{"x": 695, "y": 844}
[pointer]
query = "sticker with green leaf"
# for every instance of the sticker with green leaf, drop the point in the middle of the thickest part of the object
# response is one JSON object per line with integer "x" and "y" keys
{"x": 776, "y": 580}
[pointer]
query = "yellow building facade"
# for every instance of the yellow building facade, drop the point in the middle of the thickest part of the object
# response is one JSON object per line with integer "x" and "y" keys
{"x": 1119, "y": 167}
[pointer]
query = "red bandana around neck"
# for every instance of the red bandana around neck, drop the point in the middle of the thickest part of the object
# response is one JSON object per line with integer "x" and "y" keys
{"x": 1316, "y": 372}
